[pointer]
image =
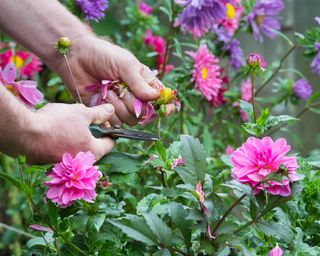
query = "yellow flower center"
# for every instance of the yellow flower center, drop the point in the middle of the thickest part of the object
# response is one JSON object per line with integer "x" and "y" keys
{"x": 260, "y": 19}
{"x": 17, "y": 60}
{"x": 204, "y": 73}
{"x": 166, "y": 95}
{"x": 11, "y": 89}
{"x": 230, "y": 12}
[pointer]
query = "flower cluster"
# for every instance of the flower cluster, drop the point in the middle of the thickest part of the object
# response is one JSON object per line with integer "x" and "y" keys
{"x": 93, "y": 9}
{"x": 73, "y": 179}
{"x": 207, "y": 75}
{"x": 257, "y": 158}
{"x": 26, "y": 63}
{"x": 26, "y": 91}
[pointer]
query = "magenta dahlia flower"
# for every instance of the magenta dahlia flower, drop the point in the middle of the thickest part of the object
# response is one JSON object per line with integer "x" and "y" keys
{"x": 93, "y": 9}
{"x": 264, "y": 17}
{"x": 207, "y": 75}
{"x": 276, "y": 251}
{"x": 257, "y": 158}
{"x": 199, "y": 16}
{"x": 302, "y": 89}
{"x": 73, "y": 179}
{"x": 26, "y": 91}
{"x": 26, "y": 63}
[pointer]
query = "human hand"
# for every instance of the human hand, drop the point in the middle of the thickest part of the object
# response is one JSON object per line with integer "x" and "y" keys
{"x": 93, "y": 60}
{"x": 59, "y": 128}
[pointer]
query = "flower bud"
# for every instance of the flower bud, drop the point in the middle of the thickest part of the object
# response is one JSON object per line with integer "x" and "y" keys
{"x": 64, "y": 42}
{"x": 255, "y": 60}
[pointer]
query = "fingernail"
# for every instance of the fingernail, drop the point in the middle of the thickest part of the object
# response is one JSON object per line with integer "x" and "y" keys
{"x": 109, "y": 108}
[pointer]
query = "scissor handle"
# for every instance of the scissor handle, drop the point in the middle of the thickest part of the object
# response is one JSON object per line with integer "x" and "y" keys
{"x": 97, "y": 131}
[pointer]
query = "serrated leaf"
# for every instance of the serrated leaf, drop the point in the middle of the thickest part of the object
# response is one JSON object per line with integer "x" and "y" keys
{"x": 275, "y": 120}
{"x": 136, "y": 228}
{"x": 275, "y": 229}
{"x": 161, "y": 150}
{"x": 159, "y": 228}
{"x": 194, "y": 156}
{"x": 146, "y": 203}
{"x": 122, "y": 162}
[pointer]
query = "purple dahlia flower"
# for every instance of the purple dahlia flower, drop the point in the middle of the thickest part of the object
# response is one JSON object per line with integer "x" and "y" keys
{"x": 236, "y": 54}
{"x": 93, "y": 9}
{"x": 302, "y": 89}
{"x": 264, "y": 17}
{"x": 315, "y": 64}
{"x": 199, "y": 16}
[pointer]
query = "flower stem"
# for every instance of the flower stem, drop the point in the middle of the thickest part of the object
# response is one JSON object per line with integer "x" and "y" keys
{"x": 159, "y": 128}
{"x": 292, "y": 48}
{"x": 18, "y": 231}
{"x": 252, "y": 98}
{"x": 72, "y": 78}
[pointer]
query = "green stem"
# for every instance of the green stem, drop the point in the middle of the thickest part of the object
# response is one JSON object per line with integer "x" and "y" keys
{"x": 297, "y": 116}
{"x": 252, "y": 98}
{"x": 18, "y": 231}
{"x": 277, "y": 69}
{"x": 181, "y": 118}
{"x": 159, "y": 128}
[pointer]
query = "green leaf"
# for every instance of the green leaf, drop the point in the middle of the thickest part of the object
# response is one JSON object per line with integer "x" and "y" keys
{"x": 131, "y": 179}
{"x": 163, "y": 252}
{"x": 53, "y": 213}
{"x": 136, "y": 228}
{"x": 275, "y": 120}
{"x": 146, "y": 204}
{"x": 122, "y": 162}
{"x": 247, "y": 108}
{"x": 161, "y": 150}
{"x": 16, "y": 182}
{"x": 194, "y": 157}
{"x": 97, "y": 220}
{"x": 275, "y": 229}
{"x": 159, "y": 228}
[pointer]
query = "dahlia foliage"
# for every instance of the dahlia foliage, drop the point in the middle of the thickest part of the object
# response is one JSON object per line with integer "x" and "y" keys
{"x": 225, "y": 170}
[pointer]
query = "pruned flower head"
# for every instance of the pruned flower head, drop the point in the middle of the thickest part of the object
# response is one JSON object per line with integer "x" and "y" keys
{"x": 258, "y": 158}
{"x": 256, "y": 60}
{"x": 26, "y": 91}
{"x": 73, "y": 179}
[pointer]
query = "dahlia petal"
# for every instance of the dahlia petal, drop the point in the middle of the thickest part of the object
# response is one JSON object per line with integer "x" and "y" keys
{"x": 9, "y": 73}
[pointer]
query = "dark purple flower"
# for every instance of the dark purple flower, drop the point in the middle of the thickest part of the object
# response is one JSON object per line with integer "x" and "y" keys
{"x": 236, "y": 54}
{"x": 199, "y": 16}
{"x": 302, "y": 89}
{"x": 93, "y": 9}
{"x": 264, "y": 17}
{"x": 315, "y": 64}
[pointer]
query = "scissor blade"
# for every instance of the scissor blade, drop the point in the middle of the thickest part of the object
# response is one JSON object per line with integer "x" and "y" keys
{"x": 99, "y": 132}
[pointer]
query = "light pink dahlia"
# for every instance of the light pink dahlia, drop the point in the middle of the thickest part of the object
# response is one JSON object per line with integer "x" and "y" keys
{"x": 73, "y": 179}
{"x": 276, "y": 251}
{"x": 26, "y": 90}
{"x": 207, "y": 75}
{"x": 26, "y": 63}
{"x": 257, "y": 158}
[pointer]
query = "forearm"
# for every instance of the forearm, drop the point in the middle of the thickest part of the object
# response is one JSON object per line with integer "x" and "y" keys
{"x": 15, "y": 121}
{"x": 38, "y": 24}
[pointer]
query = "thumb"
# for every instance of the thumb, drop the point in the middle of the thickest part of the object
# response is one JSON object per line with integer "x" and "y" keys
{"x": 137, "y": 84}
{"x": 100, "y": 114}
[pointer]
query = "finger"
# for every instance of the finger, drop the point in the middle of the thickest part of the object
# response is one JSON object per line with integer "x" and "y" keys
{"x": 100, "y": 114}
{"x": 133, "y": 78}
{"x": 121, "y": 110}
{"x": 170, "y": 108}
{"x": 128, "y": 100}
{"x": 114, "y": 120}
{"x": 102, "y": 146}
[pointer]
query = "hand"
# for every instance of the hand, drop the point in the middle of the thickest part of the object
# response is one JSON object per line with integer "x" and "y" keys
{"x": 93, "y": 60}
{"x": 59, "y": 128}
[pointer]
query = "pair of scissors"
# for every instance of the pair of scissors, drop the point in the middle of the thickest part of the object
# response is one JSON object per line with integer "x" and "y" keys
{"x": 118, "y": 132}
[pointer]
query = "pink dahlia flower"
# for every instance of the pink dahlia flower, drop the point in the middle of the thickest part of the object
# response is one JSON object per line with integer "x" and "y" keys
{"x": 276, "y": 251}
{"x": 73, "y": 179}
{"x": 257, "y": 158}
{"x": 26, "y": 63}
{"x": 158, "y": 44}
{"x": 207, "y": 75}
{"x": 145, "y": 9}
{"x": 26, "y": 90}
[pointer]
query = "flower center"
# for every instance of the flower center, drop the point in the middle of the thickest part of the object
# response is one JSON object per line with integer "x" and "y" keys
{"x": 260, "y": 19}
{"x": 13, "y": 90}
{"x": 17, "y": 60}
{"x": 230, "y": 12}
{"x": 204, "y": 73}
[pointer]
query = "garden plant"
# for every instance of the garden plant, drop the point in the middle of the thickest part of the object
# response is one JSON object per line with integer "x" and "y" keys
{"x": 220, "y": 180}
